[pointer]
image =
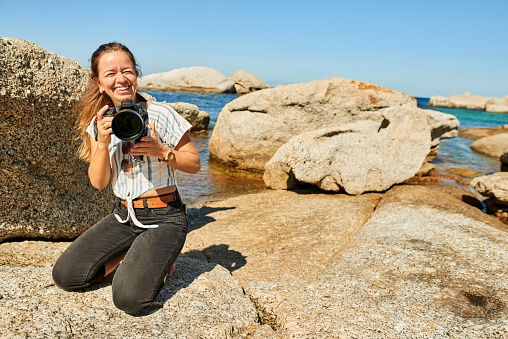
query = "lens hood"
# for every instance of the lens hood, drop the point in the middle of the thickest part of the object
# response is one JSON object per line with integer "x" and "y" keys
{"x": 128, "y": 125}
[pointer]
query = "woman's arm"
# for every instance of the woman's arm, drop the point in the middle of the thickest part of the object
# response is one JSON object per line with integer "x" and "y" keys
{"x": 99, "y": 170}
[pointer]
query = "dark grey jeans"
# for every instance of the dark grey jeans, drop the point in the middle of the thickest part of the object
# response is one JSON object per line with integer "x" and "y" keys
{"x": 150, "y": 254}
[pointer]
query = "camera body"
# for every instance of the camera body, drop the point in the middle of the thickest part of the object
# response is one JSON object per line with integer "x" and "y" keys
{"x": 130, "y": 122}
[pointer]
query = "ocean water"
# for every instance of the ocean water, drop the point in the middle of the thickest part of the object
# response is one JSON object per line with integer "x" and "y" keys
{"x": 455, "y": 152}
{"x": 216, "y": 181}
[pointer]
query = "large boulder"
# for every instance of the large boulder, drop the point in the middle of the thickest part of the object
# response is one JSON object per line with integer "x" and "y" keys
{"x": 442, "y": 126}
{"x": 494, "y": 145}
{"x": 251, "y": 128}
{"x": 194, "y": 79}
{"x": 494, "y": 186}
{"x": 246, "y": 82}
{"x": 45, "y": 187}
{"x": 357, "y": 157}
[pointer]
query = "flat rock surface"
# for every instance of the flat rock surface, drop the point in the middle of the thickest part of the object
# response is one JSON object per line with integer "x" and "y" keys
{"x": 416, "y": 261}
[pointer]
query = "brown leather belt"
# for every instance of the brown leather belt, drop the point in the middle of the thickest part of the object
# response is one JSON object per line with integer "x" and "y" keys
{"x": 159, "y": 201}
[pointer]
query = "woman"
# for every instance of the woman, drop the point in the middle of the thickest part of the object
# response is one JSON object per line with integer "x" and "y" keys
{"x": 146, "y": 231}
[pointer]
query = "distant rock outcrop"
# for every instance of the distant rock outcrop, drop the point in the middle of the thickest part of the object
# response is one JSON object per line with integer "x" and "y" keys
{"x": 195, "y": 79}
{"x": 469, "y": 101}
{"x": 246, "y": 82}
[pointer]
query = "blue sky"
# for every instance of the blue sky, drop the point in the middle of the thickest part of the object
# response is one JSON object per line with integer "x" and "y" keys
{"x": 422, "y": 48}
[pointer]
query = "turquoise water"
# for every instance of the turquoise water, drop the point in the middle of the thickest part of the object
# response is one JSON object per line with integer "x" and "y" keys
{"x": 215, "y": 181}
{"x": 456, "y": 152}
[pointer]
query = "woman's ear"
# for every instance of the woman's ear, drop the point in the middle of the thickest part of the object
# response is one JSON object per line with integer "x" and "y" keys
{"x": 98, "y": 84}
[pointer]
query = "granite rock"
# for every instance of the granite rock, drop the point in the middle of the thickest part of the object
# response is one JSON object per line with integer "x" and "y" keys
{"x": 357, "y": 157}
{"x": 195, "y": 79}
{"x": 246, "y": 82}
{"x": 494, "y": 186}
{"x": 494, "y": 145}
{"x": 251, "y": 128}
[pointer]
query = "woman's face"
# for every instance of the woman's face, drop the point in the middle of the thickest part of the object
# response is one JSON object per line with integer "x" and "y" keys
{"x": 117, "y": 76}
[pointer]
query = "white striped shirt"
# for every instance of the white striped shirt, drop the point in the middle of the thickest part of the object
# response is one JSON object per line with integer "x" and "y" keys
{"x": 131, "y": 179}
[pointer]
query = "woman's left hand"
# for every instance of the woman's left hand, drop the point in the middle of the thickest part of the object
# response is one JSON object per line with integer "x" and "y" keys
{"x": 150, "y": 145}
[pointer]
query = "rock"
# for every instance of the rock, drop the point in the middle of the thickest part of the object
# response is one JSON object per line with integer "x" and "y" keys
{"x": 465, "y": 172}
{"x": 357, "y": 157}
{"x": 189, "y": 112}
{"x": 46, "y": 189}
{"x": 281, "y": 240}
{"x": 467, "y": 101}
{"x": 201, "y": 122}
{"x": 415, "y": 260}
{"x": 497, "y": 105}
{"x": 443, "y": 126}
{"x": 493, "y": 146}
{"x": 403, "y": 271}
{"x": 200, "y": 300}
{"x": 493, "y": 186}
{"x": 193, "y": 79}
{"x": 425, "y": 170}
{"x": 481, "y": 132}
{"x": 251, "y": 128}
{"x": 438, "y": 101}
{"x": 246, "y": 82}
{"x": 504, "y": 162}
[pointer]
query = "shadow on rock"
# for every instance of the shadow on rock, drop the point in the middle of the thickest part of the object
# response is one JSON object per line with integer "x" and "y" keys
{"x": 187, "y": 271}
{"x": 221, "y": 255}
{"x": 198, "y": 217}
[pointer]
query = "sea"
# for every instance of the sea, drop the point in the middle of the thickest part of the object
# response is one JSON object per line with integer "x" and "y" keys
{"x": 215, "y": 181}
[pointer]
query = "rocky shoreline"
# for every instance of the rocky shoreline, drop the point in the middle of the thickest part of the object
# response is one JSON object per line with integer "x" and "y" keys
{"x": 390, "y": 258}
{"x": 469, "y": 101}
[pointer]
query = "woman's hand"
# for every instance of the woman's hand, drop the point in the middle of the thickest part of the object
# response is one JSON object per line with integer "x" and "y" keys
{"x": 150, "y": 145}
{"x": 186, "y": 157}
{"x": 104, "y": 126}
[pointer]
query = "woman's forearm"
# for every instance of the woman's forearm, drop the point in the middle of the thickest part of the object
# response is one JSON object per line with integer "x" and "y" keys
{"x": 188, "y": 162}
{"x": 99, "y": 170}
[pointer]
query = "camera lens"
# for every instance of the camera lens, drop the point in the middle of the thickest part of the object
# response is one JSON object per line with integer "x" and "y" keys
{"x": 127, "y": 125}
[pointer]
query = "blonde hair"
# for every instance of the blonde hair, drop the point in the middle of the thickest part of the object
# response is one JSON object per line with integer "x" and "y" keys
{"x": 92, "y": 99}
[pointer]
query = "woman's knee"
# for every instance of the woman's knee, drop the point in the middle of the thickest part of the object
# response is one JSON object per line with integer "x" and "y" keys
{"x": 130, "y": 301}
{"x": 71, "y": 275}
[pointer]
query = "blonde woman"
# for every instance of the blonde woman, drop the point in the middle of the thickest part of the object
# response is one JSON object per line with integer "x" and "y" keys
{"x": 146, "y": 231}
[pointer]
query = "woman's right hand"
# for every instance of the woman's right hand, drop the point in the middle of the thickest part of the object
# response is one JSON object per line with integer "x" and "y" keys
{"x": 104, "y": 126}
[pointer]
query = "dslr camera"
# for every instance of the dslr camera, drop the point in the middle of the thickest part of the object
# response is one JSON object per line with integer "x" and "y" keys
{"x": 130, "y": 122}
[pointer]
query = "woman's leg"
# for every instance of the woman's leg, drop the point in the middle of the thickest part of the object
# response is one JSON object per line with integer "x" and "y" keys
{"x": 151, "y": 256}
{"x": 84, "y": 261}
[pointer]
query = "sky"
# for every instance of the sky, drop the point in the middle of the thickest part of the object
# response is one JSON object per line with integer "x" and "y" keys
{"x": 422, "y": 48}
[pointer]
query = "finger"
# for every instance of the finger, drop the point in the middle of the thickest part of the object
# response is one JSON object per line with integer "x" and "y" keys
{"x": 147, "y": 139}
{"x": 101, "y": 112}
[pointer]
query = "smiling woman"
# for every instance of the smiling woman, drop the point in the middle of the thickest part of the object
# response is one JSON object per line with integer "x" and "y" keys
{"x": 117, "y": 76}
{"x": 148, "y": 226}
